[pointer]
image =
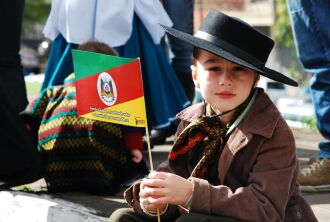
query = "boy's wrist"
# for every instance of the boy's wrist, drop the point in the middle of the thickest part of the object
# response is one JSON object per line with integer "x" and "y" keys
{"x": 153, "y": 213}
{"x": 188, "y": 203}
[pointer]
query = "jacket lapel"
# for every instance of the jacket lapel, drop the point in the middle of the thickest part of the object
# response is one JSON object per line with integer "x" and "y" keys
{"x": 261, "y": 120}
{"x": 236, "y": 142}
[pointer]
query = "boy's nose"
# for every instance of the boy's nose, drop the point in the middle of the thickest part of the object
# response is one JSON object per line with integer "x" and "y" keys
{"x": 224, "y": 79}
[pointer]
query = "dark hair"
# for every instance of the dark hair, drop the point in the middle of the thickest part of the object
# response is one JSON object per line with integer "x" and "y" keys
{"x": 196, "y": 51}
{"x": 99, "y": 47}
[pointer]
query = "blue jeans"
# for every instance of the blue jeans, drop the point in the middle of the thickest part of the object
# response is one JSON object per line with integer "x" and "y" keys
{"x": 311, "y": 29}
{"x": 181, "y": 13}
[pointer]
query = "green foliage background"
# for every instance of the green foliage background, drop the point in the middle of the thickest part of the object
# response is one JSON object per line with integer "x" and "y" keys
{"x": 283, "y": 34}
{"x": 282, "y": 28}
{"x": 36, "y": 11}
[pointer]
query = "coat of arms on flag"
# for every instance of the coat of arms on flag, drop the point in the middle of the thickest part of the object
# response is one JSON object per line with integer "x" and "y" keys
{"x": 109, "y": 88}
{"x": 106, "y": 89}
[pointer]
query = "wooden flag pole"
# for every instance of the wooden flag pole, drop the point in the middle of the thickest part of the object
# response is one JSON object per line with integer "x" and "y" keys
{"x": 149, "y": 150}
{"x": 151, "y": 162}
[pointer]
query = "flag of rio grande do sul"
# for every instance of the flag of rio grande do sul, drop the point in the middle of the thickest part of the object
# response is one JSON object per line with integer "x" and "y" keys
{"x": 109, "y": 88}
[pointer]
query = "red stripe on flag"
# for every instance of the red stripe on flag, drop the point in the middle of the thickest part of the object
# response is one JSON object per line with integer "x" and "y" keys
{"x": 128, "y": 82}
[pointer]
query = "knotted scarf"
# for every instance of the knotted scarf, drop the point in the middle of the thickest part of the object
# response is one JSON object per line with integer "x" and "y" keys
{"x": 200, "y": 144}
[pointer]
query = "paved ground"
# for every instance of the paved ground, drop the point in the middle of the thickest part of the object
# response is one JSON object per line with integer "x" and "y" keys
{"x": 42, "y": 207}
{"x": 306, "y": 148}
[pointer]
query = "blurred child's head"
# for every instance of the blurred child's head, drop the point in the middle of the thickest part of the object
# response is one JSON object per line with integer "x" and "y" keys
{"x": 99, "y": 47}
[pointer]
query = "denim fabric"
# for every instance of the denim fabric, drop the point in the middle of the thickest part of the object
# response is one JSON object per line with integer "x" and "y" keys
{"x": 311, "y": 29}
{"x": 181, "y": 13}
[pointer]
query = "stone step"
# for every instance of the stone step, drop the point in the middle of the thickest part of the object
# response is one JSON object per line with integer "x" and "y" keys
{"x": 27, "y": 207}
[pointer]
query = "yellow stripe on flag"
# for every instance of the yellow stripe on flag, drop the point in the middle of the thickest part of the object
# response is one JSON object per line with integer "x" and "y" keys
{"x": 131, "y": 113}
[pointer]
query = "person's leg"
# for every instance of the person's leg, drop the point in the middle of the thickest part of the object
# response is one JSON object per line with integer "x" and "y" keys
{"x": 196, "y": 217}
{"x": 310, "y": 25}
{"x": 20, "y": 162}
{"x": 126, "y": 215}
{"x": 181, "y": 13}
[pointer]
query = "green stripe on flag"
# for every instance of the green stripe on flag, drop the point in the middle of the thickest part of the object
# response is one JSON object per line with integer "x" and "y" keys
{"x": 89, "y": 63}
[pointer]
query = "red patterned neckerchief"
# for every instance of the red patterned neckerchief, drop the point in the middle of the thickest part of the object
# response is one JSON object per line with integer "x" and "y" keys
{"x": 201, "y": 143}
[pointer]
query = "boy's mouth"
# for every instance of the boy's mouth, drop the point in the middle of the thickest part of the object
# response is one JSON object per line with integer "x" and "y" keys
{"x": 225, "y": 95}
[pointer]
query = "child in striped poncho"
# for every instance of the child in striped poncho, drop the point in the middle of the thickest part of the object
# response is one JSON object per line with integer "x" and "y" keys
{"x": 81, "y": 154}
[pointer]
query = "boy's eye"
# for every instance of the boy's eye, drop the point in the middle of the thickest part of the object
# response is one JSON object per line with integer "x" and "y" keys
{"x": 215, "y": 69}
{"x": 238, "y": 68}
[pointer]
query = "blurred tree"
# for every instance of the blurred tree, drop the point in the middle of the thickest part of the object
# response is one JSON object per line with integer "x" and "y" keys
{"x": 283, "y": 35}
{"x": 282, "y": 28}
{"x": 36, "y": 11}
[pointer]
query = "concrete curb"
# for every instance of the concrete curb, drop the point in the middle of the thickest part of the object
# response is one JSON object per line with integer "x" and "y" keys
{"x": 27, "y": 207}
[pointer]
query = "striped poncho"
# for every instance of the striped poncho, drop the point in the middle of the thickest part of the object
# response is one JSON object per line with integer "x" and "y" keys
{"x": 80, "y": 154}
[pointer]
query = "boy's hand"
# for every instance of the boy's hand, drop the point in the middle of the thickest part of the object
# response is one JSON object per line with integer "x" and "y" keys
{"x": 164, "y": 188}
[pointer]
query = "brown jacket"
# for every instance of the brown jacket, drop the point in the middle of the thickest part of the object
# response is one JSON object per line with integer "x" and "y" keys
{"x": 257, "y": 170}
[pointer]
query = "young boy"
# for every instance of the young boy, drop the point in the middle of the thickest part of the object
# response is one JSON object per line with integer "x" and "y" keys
{"x": 234, "y": 158}
{"x": 83, "y": 154}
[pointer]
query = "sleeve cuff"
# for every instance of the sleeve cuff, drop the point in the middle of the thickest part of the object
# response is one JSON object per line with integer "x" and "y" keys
{"x": 153, "y": 214}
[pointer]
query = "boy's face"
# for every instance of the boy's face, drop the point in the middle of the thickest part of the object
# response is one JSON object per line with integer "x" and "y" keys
{"x": 223, "y": 84}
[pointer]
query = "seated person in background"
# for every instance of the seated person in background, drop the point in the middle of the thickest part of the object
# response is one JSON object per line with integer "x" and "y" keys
{"x": 234, "y": 158}
{"x": 82, "y": 154}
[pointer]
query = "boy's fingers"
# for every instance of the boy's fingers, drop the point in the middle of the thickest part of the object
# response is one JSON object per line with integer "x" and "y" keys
{"x": 154, "y": 192}
{"x": 158, "y": 175}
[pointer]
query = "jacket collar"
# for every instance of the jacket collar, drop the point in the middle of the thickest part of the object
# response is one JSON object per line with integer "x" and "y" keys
{"x": 263, "y": 114}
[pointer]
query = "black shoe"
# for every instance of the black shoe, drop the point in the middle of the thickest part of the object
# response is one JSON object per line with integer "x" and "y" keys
{"x": 26, "y": 176}
{"x": 3, "y": 186}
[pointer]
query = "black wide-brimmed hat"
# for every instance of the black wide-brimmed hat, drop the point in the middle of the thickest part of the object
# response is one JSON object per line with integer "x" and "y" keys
{"x": 234, "y": 40}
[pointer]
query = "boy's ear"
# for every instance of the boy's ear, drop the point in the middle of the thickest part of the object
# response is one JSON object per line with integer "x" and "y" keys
{"x": 194, "y": 75}
{"x": 256, "y": 81}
